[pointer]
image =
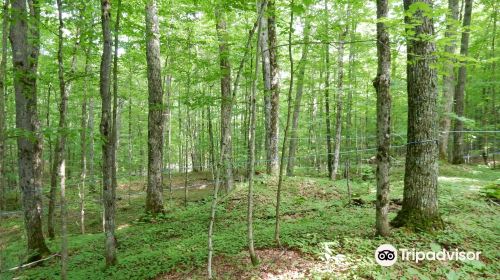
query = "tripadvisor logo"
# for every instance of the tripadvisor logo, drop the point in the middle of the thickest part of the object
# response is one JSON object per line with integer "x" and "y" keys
{"x": 387, "y": 255}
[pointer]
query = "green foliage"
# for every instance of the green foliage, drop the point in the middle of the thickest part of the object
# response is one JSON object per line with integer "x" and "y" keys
{"x": 491, "y": 191}
{"x": 314, "y": 216}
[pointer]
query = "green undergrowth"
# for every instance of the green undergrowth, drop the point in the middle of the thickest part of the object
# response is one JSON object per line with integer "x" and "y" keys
{"x": 316, "y": 214}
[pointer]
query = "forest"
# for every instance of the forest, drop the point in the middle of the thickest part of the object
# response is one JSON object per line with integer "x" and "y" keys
{"x": 235, "y": 139}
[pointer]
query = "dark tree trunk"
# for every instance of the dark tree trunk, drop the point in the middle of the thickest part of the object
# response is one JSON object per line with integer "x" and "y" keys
{"x": 226, "y": 101}
{"x": 298, "y": 100}
{"x": 275, "y": 91}
{"x": 287, "y": 127}
{"x": 251, "y": 155}
{"x": 24, "y": 38}
{"x": 115, "y": 107}
{"x": 448, "y": 79}
{"x": 3, "y": 68}
{"x": 327, "y": 102}
{"x": 154, "y": 199}
{"x": 458, "y": 137}
{"x": 266, "y": 73}
{"x": 340, "y": 96}
{"x": 382, "y": 84}
{"x": 420, "y": 201}
{"x": 109, "y": 192}
{"x": 59, "y": 169}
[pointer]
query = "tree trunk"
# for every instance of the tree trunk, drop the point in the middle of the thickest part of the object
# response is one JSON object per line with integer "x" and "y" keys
{"x": 327, "y": 101}
{"x": 226, "y": 101}
{"x": 115, "y": 107}
{"x": 298, "y": 99}
{"x": 266, "y": 74}
{"x": 83, "y": 158}
{"x": 420, "y": 202}
{"x": 130, "y": 144}
{"x": 382, "y": 84}
{"x": 154, "y": 199}
{"x": 340, "y": 96}
{"x": 83, "y": 139}
{"x": 47, "y": 125}
{"x": 109, "y": 192}
{"x": 448, "y": 78}
{"x": 3, "y": 68}
{"x": 493, "y": 87}
{"x": 24, "y": 38}
{"x": 285, "y": 136}
{"x": 251, "y": 155}
{"x": 275, "y": 91}
{"x": 59, "y": 162}
{"x": 92, "y": 179}
{"x": 458, "y": 137}
{"x": 59, "y": 169}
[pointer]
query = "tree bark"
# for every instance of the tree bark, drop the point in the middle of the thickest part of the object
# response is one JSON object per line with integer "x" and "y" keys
{"x": 115, "y": 107}
{"x": 298, "y": 99}
{"x": 274, "y": 89}
{"x": 251, "y": 154}
{"x": 59, "y": 169}
{"x": 226, "y": 100}
{"x": 154, "y": 199}
{"x": 382, "y": 84}
{"x": 25, "y": 41}
{"x": 109, "y": 192}
{"x": 458, "y": 137}
{"x": 59, "y": 164}
{"x": 3, "y": 68}
{"x": 420, "y": 202}
{"x": 327, "y": 102}
{"x": 266, "y": 74}
{"x": 340, "y": 96}
{"x": 285, "y": 136}
{"x": 448, "y": 78}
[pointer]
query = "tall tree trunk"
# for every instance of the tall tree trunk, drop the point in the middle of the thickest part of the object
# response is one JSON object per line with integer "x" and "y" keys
{"x": 275, "y": 91}
{"x": 448, "y": 78}
{"x": 285, "y": 136}
{"x": 130, "y": 154}
{"x": 154, "y": 199}
{"x": 327, "y": 100}
{"x": 59, "y": 169}
{"x": 83, "y": 144}
{"x": 212, "y": 143}
{"x": 109, "y": 192}
{"x": 59, "y": 164}
{"x": 25, "y": 41}
{"x": 493, "y": 91}
{"x": 352, "y": 85}
{"x": 226, "y": 100}
{"x": 251, "y": 154}
{"x": 458, "y": 137}
{"x": 420, "y": 202}
{"x": 382, "y": 84}
{"x": 3, "y": 68}
{"x": 115, "y": 107}
{"x": 47, "y": 124}
{"x": 340, "y": 96}
{"x": 298, "y": 99}
{"x": 83, "y": 137}
{"x": 266, "y": 74}
{"x": 92, "y": 179}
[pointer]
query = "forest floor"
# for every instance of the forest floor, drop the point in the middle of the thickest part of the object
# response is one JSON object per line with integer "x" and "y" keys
{"x": 323, "y": 236}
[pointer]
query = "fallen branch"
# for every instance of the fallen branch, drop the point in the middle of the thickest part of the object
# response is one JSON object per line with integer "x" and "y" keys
{"x": 492, "y": 201}
{"x": 28, "y": 265}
